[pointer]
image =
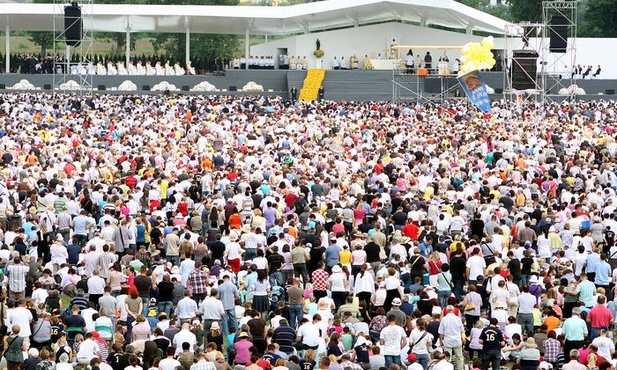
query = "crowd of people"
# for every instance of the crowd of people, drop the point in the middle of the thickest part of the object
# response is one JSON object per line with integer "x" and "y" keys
{"x": 205, "y": 233}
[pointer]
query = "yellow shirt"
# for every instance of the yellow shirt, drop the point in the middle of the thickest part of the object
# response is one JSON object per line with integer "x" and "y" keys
{"x": 164, "y": 186}
{"x": 345, "y": 257}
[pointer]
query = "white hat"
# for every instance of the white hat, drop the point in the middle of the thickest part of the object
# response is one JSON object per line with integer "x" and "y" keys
{"x": 215, "y": 325}
{"x": 175, "y": 270}
{"x": 233, "y": 237}
{"x": 396, "y": 302}
{"x": 336, "y": 269}
{"x": 533, "y": 279}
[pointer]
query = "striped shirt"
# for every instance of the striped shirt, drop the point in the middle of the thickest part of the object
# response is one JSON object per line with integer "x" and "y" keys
{"x": 17, "y": 277}
{"x": 106, "y": 259}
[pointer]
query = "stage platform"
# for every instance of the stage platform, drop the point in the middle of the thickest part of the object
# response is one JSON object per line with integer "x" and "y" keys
{"x": 350, "y": 85}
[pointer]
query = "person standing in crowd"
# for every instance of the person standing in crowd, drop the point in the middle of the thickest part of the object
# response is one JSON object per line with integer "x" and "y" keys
{"x": 492, "y": 341}
{"x": 393, "y": 339}
{"x": 450, "y": 330}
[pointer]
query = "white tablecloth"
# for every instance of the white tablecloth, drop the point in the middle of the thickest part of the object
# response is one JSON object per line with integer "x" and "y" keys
{"x": 386, "y": 64}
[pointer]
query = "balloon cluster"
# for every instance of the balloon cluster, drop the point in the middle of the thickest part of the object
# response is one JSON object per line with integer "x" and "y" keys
{"x": 477, "y": 56}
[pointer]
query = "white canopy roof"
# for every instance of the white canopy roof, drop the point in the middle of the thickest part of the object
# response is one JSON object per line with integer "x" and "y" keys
{"x": 259, "y": 20}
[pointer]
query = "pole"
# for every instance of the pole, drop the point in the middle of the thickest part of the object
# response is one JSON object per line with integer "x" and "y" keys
{"x": 246, "y": 48}
{"x": 67, "y": 71}
{"x": 187, "y": 50}
{"x": 7, "y": 49}
{"x": 127, "y": 51}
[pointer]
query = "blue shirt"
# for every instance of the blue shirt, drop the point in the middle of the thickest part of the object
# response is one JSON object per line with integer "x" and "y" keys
{"x": 575, "y": 329}
{"x": 79, "y": 224}
{"x": 332, "y": 255}
{"x": 585, "y": 290}
{"x": 592, "y": 261}
{"x": 603, "y": 273}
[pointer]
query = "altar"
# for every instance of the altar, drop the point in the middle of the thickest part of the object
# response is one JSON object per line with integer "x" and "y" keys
{"x": 386, "y": 64}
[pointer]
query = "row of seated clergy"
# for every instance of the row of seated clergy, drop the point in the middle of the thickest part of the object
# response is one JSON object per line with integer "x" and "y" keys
{"x": 254, "y": 63}
{"x": 118, "y": 68}
{"x": 298, "y": 63}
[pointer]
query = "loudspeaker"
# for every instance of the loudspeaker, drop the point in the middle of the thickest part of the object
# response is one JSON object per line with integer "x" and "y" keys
{"x": 72, "y": 24}
{"x": 432, "y": 85}
{"x": 186, "y": 88}
{"x": 609, "y": 91}
{"x": 233, "y": 88}
{"x": 559, "y": 34}
{"x": 2, "y": 86}
{"x": 46, "y": 87}
{"x": 146, "y": 87}
{"x": 102, "y": 88}
{"x": 524, "y": 69}
{"x": 498, "y": 90}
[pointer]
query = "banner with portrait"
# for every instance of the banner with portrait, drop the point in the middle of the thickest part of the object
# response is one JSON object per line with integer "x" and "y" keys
{"x": 475, "y": 88}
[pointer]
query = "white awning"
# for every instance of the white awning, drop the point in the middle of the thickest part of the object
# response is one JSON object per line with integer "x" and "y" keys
{"x": 258, "y": 20}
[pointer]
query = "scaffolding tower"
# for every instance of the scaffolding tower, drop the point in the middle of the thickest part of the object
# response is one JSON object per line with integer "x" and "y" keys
{"x": 73, "y": 63}
{"x": 554, "y": 70}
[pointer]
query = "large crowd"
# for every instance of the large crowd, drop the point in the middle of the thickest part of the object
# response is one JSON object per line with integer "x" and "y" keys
{"x": 211, "y": 233}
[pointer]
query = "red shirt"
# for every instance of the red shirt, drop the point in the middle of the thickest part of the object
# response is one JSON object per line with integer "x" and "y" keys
{"x": 411, "y": 231}
{"x": 600, "y": 316}
{"x": 320, "y": 278}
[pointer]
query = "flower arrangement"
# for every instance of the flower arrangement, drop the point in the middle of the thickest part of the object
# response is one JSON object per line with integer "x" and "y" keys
{"x": 23, "y": 85}
{"x": 252, "y": 86}
{"x": 127, "y": 85}
{"x": 70, "y": 85}
{"x": 204, "y": 86}
{"x": 163, "y": 86}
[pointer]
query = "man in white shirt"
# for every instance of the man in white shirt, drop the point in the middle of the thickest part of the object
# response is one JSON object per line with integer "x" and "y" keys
{"x": 574, "y": 364}
{"x": 184, "y": 335}
{"x": 307, "y": 336}
{"x": 169, "y": 363}
{"x": 186, "y": 308}
{"x": 91, "y": 260}
{"x": 393, "y": 339}
{"x": 21, "y": 316}
{"x": 211, "y": 310}
{"x": 202, "y": 363}
{"x": 450, "y": 329}
{"x": 526, "y": 302}
{"x": 96, "y": 287}
{"x": 605, "y": 345}
{"x": 476, "y": 266}
{"x": 88, "y": 349}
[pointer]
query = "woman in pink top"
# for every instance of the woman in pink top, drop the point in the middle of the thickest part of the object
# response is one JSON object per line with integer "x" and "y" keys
{"x": 359, "y": 213}
{"x": 242, "y": 347}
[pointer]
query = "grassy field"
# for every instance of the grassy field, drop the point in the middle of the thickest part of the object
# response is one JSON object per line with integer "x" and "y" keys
{"x": 22, "y": 45}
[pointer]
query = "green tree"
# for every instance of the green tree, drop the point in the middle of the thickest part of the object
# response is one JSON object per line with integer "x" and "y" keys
{"x": 204, "y": 47}
{"x": 525, "y": 10}
{"x": 44, "y": 39}
{"x": 598, "y": 18}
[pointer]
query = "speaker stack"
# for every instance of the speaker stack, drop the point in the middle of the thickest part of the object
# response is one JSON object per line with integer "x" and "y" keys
{"x": 524, "y": 69}
{"x": 558, "y": 42}
{"x": 73, "y": 30}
